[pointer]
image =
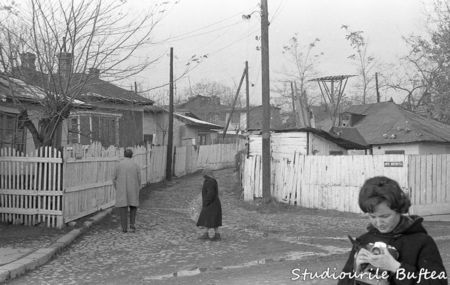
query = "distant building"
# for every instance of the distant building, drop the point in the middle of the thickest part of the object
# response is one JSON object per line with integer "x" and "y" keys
{"x": 389, "y": 129}
{"x": 211, "y": 110}
{"x": 307, "y": 141}
{"x": 187, "y": 130}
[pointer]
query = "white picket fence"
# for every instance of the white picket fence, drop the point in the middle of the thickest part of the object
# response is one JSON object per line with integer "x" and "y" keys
{"x": 31, "y": 187}
{"x": 333, "y": 182}
{"x": 47, "y": 187}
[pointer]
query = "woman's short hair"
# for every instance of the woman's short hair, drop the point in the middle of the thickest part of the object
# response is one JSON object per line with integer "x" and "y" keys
{"x": 128, "y": 153}
{"x": 382, "y": 189}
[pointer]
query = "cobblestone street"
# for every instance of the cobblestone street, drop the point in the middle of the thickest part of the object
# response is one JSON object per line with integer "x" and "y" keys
{"x": 166, "y": 243}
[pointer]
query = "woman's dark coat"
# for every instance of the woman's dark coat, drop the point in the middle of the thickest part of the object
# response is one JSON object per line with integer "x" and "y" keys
{"x": 211, "y": 214}
{"x": 417, "y": 250}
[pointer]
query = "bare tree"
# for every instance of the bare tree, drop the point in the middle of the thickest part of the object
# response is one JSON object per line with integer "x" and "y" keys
{"x": 302, "y": 62}
{"x": 429, "y": 59}
{"x": 363, "y": 59}
{"x": 53, "y": 44}
{"x": 405, "y": 80}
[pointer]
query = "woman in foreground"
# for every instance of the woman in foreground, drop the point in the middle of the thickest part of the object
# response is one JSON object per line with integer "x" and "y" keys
{"x": 396, "y": 249}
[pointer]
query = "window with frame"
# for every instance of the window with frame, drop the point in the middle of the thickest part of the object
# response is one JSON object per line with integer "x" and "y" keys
{"x": 11, "y": 135}
{"x": 87, "y": 128}
{"x": 201, "y": 139}
{"x": 74, "y": 130}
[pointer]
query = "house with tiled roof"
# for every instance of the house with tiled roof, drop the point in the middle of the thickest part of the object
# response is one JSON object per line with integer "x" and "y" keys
{"x": 15, "y": 96}
{"x": 389, "y": 129}
{"x": 187, "y": 129}
{"x": 115, "y": 116}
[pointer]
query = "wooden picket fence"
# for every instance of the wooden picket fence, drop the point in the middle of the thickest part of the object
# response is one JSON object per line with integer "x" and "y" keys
{"x": 333, "y": 182}
{"x": 31, "y": 189}
{"x": 47, "y": 187}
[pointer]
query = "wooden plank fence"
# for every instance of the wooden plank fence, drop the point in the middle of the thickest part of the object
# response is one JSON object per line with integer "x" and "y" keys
{"x": 31, "y": 187}
{"x": 333, "y": 182}
{"x": 47, "y": 187}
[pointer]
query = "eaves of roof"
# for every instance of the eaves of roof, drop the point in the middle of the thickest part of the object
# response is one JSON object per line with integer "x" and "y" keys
{"x": 196, "y": 122}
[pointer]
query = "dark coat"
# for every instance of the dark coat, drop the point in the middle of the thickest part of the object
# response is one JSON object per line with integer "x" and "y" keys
{"x": 417, "y": 250}
{"x": 211, "y": 213}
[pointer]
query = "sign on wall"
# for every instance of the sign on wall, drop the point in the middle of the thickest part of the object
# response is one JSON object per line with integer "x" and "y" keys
{"x": 393, "y": 164}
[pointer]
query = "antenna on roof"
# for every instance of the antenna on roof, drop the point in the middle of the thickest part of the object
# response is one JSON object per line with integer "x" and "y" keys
{"x": 332, "y": 89}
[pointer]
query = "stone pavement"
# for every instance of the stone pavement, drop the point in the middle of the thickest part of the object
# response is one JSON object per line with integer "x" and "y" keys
{"x": 165, "y": 248}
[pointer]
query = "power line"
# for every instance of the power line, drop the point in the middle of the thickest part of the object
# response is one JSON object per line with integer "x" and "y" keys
{"x": 186, "y": 35}
{"x": 183, "y": 37}
{"x": 196, "y": 66}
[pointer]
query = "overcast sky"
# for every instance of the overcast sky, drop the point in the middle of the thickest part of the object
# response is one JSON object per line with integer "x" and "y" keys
{"x": 216, "y": 28}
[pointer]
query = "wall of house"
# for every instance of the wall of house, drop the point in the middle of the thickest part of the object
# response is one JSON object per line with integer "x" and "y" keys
{"x": 156, "y": 124}
{"x": 320, "y": 146}
{"x": 284, "y": 145}
{"x": 407, "y": 148}
{"x": 434, "y": 148}
{"x": 130, "y": 128}
{"x": 34, "y": 112}
{"x": 416, "y": 148}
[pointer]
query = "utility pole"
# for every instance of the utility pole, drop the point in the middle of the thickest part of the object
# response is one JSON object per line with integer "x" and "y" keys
{"x": 170, "y": 132}
{"x": 265, "y": 78}
{"x": 293, "y": 93}
{"x": 376, "y": 84}
{"x": 247, "y": 97}
{"x": 234, "y": 102}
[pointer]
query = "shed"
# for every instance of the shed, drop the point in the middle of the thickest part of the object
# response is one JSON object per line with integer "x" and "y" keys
{"x": 308, "y": 141}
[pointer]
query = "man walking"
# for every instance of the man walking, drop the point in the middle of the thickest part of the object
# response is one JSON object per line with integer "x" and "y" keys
{"x": 127, "y": 182}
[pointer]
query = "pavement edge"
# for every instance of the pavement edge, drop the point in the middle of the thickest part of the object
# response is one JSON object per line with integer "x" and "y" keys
{"x": 43, "y": 255}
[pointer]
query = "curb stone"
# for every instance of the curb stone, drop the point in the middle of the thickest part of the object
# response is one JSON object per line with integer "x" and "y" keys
{"x": 43, "y": 255}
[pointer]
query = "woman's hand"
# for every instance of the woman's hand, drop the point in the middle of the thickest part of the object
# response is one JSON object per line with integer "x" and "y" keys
{"x": 363, "y": 256}
{"x": 384, "y": 260}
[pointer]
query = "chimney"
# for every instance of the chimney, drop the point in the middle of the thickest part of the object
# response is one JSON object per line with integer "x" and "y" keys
{"x": 94, "y": 73}
{"x": 65, "y": 64}
{"x": 27, "y": 60}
